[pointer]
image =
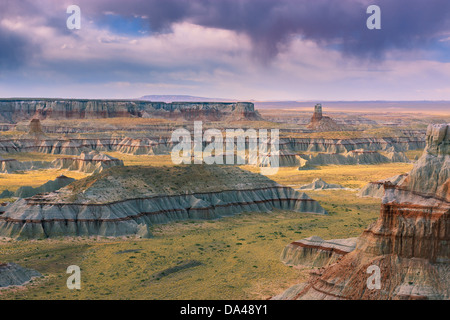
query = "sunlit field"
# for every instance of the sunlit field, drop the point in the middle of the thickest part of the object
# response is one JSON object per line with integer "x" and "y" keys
{"x": 231, "y": 258}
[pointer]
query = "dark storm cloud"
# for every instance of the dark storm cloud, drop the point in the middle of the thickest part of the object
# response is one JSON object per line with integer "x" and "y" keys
{"x": 406, "y": 24}
{"x": 13, "y": 50}
{"x": 16, "y": 49}
{"x": 270, "y": 24}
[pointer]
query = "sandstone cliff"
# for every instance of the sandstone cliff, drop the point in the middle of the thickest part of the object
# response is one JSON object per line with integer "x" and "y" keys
{"x": 23, "y": 109}
{"x": 127, "y": 200}
{"x": 351, "y": 157}
{"x": 13, "y": 165}
{"x": 408, "y": 243}
{"x": 316, "y": 252}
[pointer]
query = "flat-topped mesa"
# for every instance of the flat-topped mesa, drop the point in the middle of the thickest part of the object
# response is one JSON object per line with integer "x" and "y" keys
{"x": 23, "y": 109}
{"x": 409, "y": 242}
{"x": 126, "y": 201}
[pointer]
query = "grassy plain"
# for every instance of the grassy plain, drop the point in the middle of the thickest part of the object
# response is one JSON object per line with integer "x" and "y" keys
{"x": 236, "y": 257}
{"x": 35, "y": 178}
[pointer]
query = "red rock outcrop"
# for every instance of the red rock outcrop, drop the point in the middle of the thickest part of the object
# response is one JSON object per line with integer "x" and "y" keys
{"x": 321, "y": 123}
{"x": 409, "y": 243}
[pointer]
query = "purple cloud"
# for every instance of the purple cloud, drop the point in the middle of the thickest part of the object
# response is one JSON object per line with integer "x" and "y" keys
{"x": 406, "y": 24}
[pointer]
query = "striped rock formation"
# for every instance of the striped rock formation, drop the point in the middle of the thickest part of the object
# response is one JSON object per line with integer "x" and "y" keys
{"x": 125, "y": 201}
{"x": 352, "y": 157}
{"x": 152, "y": 144}
{"x": 409, "y": 243}
{"x": 13, "y": 165}
{"x": 92, "y": 162}
{"x": 15, "y": 110}
{"x": 316, "y": 252}
{"x": 12, "y": 274}
{"x": 376, "y": 189}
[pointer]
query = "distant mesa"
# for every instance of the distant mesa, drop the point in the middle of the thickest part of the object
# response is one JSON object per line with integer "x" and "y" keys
{"x": 322, "y": 123}
{"x": 352, "y": 157}
{"x": 23, "y": 109}
{"x": 13, "y": 165}
{"x": 87, "y": 162}
{"x": 319, "y": 184}
{"x": 316, "y": 252}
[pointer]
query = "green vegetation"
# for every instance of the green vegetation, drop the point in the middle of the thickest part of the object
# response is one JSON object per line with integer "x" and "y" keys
{"x": 35, "y": 178}
{"x": 239, "y": 255}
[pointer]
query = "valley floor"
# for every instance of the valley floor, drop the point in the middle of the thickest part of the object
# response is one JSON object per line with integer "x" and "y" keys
{"x": 232, "y": 258}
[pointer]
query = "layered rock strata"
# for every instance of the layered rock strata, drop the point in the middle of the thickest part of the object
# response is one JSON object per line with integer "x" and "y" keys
{"x": 376, "y": 189}
{"x": 12, "y": 274}
{"x": 24, "y": 109}
{"x": 117, "y": 211}
{"x": 13, "y": 165}
{"x": 163, "y": 145}
{"x": 92, "y": 162}
{"x": 408, "y": 244}
{"x": 352, "y": 157}
{"x": 319, "y": 184}
{"x": 316, "y": 252}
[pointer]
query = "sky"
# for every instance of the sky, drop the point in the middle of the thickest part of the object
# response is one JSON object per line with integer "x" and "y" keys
{"x": 237, "y": 49}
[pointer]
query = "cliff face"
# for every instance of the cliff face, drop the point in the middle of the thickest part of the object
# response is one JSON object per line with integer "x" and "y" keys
{"x": 409, "y": 243}
{"x": 352, "y": 157}
{"x": 431, "y": 173}
{"x": 316, "y": 252}
{"x": 14, "y": 110}
{"x": 163, "y": 145}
